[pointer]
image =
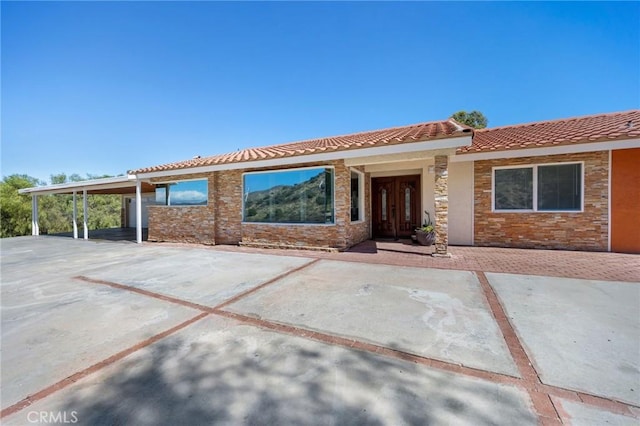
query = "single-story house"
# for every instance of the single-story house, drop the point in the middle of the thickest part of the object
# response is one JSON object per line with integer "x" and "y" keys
{"x": 564, "y": 184}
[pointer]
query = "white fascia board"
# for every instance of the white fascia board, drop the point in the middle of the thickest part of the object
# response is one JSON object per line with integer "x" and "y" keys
{"x": 89, "y": 185}
{"x": 395, "y": 158}
{"x": 428, "y": 145}
{"x": 552, "y": 150}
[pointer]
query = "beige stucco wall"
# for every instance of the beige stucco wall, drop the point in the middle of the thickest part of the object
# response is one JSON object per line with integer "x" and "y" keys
{"x": 461, "y": 203}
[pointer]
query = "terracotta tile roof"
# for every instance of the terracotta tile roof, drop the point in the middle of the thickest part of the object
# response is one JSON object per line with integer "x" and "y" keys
{"x": 392, "y": 136}
{"x": 577, "y": 130}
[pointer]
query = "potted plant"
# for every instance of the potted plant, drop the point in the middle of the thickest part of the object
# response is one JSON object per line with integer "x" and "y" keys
{"x": 426, "y": 234}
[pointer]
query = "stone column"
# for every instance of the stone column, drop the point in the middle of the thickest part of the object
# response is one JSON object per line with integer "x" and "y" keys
{"x": 441, "y": 195}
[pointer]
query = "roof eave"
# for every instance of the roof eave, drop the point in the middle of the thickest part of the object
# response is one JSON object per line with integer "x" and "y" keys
{"x": 572, "y": 148}
{"x": 92, "y": 184}
{"x": 435, "y": 144}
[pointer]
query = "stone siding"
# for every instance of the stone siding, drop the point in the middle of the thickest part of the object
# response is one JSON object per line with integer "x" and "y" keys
{"x": 220, "y": 222}
{"x": 441, "y": 197}
{"x": 184, "y": 224}
{"x": 338, "y": 235}
{"x": 587, "y": 230}
{"x": 228, "y": 206}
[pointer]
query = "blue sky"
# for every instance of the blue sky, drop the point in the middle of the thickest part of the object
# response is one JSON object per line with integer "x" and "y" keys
{"x": 102, "y": 88}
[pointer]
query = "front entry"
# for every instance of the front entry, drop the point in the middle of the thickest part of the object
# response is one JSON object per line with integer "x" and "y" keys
{"x": 396, "y": 206}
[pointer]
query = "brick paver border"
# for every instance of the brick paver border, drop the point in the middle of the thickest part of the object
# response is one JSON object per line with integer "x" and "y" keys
{"x": 551, "y": 263}
{"x": 20, "y": 405}
{"x": 543, "y": 397}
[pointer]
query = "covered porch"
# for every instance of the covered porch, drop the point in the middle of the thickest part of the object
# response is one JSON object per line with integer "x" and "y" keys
{"x": 408, "y": 190}
{"x": 123, "y": 234}
{"x": 121, "y": 185}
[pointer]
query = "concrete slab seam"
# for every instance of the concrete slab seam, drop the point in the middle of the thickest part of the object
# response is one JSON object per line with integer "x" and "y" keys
{"x": 370, "y": 347}
{"x": 541, "y": 396}
{"x": 542, "y": 402}
{"x": 146, "y": 293}
{"x": 20, "y": 405}
{"x": 611, "y": 405}
{"x": 266, "y": 283}
{"x": 534, "y": 387}
{"x": 533, "y": 382}
{"x": 518, "y": 353}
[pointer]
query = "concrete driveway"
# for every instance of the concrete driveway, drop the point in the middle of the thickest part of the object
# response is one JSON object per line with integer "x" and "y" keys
{"x": 98, "y": 332}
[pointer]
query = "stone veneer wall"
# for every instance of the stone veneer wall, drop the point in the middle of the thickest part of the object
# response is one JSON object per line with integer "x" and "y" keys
{"x": 228, "y": 206}
{"x": 441, "y": 197}
{"x": 587, "y": 230}
{"x": 220, "y": 222}
{"x": 187, "y": 224}
{"x": 339, "y": 235}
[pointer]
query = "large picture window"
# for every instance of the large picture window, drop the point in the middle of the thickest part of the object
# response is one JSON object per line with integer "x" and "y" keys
{"x": 289, "y": 196}
{"x": 553, "y": 187}
{"x": 182, "y": 193}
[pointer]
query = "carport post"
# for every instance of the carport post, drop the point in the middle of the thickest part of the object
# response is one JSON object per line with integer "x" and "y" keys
{"x": 35, "y": 227}
{"x": 85, "y": 222}
{"x": 138, "y": 211}
{"x": 75, "y": 215}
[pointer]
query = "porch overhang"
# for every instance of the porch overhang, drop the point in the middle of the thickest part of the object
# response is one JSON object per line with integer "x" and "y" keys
{"x": 119, "y": 185}
{"x": 114, "y": 185}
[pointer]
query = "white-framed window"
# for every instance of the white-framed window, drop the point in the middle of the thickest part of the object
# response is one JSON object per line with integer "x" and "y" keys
{"x": 557, "y": 187}
{"x": 357, "y": 196}
{"x": 291, "y": 196}
{"x": 183, "y": 193}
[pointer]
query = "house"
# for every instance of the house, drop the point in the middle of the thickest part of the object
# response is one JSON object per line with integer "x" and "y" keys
{"x": 563, "y": 184}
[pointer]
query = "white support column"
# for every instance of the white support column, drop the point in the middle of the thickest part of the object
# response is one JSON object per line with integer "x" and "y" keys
{"x": 75, "y": 215}
{"x": 33, "y": 215}
{"x": 85, "y": 221}
{"x": 138, "y": 211}
{"x": 35, "y": 227}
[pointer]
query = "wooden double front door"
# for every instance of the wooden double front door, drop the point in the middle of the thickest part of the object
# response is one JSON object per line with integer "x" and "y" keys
{"x": 395, "y": 206}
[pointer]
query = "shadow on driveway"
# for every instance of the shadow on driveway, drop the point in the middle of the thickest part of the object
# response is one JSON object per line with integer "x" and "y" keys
{"x": 264, "y": 378}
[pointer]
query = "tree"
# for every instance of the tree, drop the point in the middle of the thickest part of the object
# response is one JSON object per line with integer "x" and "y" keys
{"x": 55, "y": 211}
{"x": 474, "y": 119}
{"x": 15, "y": 209}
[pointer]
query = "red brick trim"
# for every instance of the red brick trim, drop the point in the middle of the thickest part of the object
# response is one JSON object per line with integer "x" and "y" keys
{"x": 95, "y": 367}
{"x": 369, "y": 347}
{"x": 542, "y": 403}
{"x": 159, "y": 296}
{"x": 519, "y": 355}
{"x": 266, "y": 283}
{"x": 541, "y": 395}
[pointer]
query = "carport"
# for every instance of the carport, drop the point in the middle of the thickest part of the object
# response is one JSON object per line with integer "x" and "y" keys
{"x": 120, "y": 185}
